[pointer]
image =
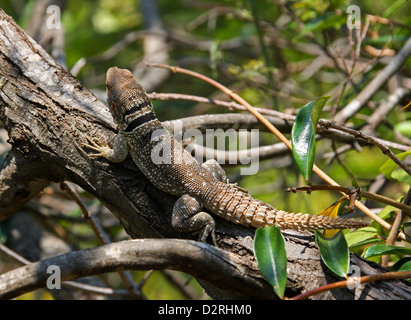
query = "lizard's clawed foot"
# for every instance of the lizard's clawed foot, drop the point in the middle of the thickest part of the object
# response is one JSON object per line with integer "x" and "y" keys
{"x": 101, "y": 147}
{"x": 209, "y": 229}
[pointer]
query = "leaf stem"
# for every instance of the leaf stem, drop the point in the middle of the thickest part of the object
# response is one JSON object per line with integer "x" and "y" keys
{"x": 363, "y": 194}
{"x": 361, "y": 280}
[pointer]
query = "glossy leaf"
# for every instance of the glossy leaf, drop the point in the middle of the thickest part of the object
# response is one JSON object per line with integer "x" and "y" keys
{"x": 389, "y": 169}
{"x": 362, "y": 238}
{"x": 387, "y": 213}
{"x": 383, "y": 249}
{"x": 303, "y": 135}
{"x": 359, "y": 236}
{"x": 403, "y": 264}
{"x": 269, "y": 251}
{"x": 334, "y": 252}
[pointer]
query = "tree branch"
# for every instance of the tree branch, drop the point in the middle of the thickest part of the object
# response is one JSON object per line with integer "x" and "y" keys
{"x": 47, "y": 114}
{"x": 201, "y": 260}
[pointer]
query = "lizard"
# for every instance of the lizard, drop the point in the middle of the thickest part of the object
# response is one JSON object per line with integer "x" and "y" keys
{"x": 172, "y": 169}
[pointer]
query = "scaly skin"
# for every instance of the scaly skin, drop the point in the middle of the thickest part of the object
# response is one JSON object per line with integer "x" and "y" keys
{"x": 173, "y": 170}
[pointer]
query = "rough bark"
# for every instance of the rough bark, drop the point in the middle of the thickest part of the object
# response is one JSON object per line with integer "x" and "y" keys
{"x": 48, "y": 113}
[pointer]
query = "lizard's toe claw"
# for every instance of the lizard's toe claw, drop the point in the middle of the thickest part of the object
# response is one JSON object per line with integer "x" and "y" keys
{"x": 94, "y": 155}
{"x": 209, "y": 229}
{"x": 93, "y": 142}
{"x": 96, "y": 145}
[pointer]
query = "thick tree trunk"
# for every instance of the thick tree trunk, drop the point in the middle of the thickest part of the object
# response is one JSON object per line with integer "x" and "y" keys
{"x": 47, "y": 114}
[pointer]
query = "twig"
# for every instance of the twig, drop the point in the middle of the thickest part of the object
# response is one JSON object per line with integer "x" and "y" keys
{"x": 98, "y": 230}
{"x": 69, "y": 284}
{"x": 13, "y": 255}
{"x": 377, "y": 56}
{"x": 361, "y": 280}
{"x": 355, "y": 55}
{"x": 228, "y": 157}
{"x": 103, "y": 238}
{"x": 385, "y": 107}
{"x": 201, "y": 260}
{"x": 392, "y": 237}
{"x": 273, "y": 129}
{"x": 365, "y": 95}
{"x": 236, "y": 106}
{"x": 181, "y": 284}
{"x": 381, "y": 20}
{"x": 361, "y": 193}
{"x": 339, "y": 160}
{"x": 232, "y": 95}
{"x": 263, "y": 46}
{"x": 364, "y": 137}
{"x": 231, "y": 105}
{"x": 97, "y": 289}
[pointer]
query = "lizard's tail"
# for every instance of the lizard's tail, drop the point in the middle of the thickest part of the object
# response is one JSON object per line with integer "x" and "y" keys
{"x": 299, "y": 221}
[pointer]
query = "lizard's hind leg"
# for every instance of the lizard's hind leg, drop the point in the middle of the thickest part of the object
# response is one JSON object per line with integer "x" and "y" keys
{"x": 214, "y": 167}
{"x": 188, "y": 217}
{"x": 218, "y": 172}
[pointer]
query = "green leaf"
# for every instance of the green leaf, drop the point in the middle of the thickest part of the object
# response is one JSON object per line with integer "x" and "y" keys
{"x": 359, "y": 239}
{"x": 393, "y": 6}
{"x": 303, "y": 135}
{"x": 269, "y": 251}
{"x": 404, "y": 127}
{"x": 383, "y": 249}
{"x": 4, "y": 230}
{"x": 334, "y": 252}
{"x": 401, "y": 176}
{"x": 389, "y": 166}
{"x": 3, "y": 236}
{"x": 386, "y": 213}
{"x": 403, "y": 264}
{"x": 360, "y": 235}
{"x": 324, "y": 22}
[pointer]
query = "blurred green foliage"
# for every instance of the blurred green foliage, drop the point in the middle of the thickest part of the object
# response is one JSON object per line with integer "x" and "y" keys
{"x": 273, "y": 73}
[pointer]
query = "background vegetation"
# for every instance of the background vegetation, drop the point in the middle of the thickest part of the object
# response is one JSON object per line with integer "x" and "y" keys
{"x": 275, "y": 54}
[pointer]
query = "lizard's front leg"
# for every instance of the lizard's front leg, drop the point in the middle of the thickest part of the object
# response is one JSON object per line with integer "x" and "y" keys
{"x": 188, "y": 217}
{"x": 118, "y": 153}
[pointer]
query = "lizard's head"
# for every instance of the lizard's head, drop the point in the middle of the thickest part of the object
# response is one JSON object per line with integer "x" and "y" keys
{"x": 125, "y": 96}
